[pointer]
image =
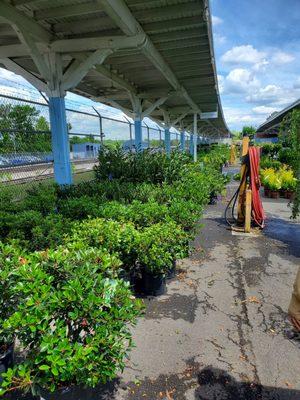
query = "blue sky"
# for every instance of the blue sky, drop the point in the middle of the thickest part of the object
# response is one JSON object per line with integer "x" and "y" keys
{"x": 257, "y": 47}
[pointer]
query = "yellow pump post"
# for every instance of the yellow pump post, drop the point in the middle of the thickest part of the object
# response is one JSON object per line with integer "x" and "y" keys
{"x": 232, "y": 159}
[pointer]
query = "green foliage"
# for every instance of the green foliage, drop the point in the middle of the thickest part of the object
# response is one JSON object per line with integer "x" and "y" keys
{"x": 18, "y": 124}
{"x": 69, "y": 309}
{"x": 271, "y": 149}
{"x": 248, "y": 131}
{"x": 74, "y": 321}
{"x": 159, "y": 245}
{"x": 290, "y": 132}
{"x": 10, "y": 260}
{"x": 146, "y": 166}
{"x": 110, "y": 235}
{"x": 267, "y": 162}
{"x": 42, "y": 198}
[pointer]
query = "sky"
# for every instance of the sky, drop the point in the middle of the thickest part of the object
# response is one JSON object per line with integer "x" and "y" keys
{"x": 257, "y": 49}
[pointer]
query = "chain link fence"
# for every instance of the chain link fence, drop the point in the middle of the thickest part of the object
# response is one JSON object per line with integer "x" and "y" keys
{"x": 25, "y": 139}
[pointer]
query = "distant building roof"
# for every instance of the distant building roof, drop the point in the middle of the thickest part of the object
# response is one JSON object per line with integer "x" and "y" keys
{"x": 272, "y": 124}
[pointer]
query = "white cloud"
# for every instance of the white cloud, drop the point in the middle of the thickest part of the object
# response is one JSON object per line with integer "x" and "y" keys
{"x": 238, "y": 117}
{"x": 297, "y": 84}
{"x": 264, "y": 110}
{"x": 216, "y": 20}
{"x": 240, "y": 80}
{"x": 269, "y": 93}
{"x": 274, "y": 96}
{"x": 245, "y": 54}
{"x": 221, "y": 82}
{"x": 280, "y": 57}
{"x": 219, "y": 39}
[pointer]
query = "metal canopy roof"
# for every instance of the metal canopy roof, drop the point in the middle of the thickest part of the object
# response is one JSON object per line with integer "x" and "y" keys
{"x": 157, "y": 53}
{"x": 272, "y": 124}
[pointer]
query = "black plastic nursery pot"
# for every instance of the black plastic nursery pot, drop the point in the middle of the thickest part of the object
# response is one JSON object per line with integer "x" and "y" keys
{"x": 172, "y": 271}
{"x": 6, "y": 357}
{"x": 213, "y": 198}
{"x": 150, "y": 285}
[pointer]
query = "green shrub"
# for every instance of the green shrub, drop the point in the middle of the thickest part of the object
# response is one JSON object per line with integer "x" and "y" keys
{"x": 110, "y": 235}
{"x": 267, "y": 162}
{"x": 10, "y": 261}
{"x": 146, "y": 166}
{"x": 41, "y": 198}
{"x": 50, "y": 232}
{"x": 185, "y": 213}
{"x": 159, "y": 245}
{"x": 286, "y": 156}
{"x": 74, "y": 323}
{"x": 21, "y": 225}
{"x": 271, "y": 149}
{"x": 79, "y": 208}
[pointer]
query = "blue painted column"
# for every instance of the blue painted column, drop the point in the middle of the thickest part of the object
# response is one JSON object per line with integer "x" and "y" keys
{"x": 138, "y": 136}
{"x": 191, "y": 144}
{"x": 167, "y": 141}
{"x": 182, "y": 141}
{"x": 60, "y": 141}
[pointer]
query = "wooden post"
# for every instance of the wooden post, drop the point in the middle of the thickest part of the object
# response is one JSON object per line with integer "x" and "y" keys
{"x": 232, "y": 159}
{"x": 242, "y": 192}
{"x": 248, "y": 209}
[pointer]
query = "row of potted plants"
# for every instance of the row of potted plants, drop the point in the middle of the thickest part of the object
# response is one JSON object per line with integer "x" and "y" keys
{"x": 278, "y": 183}
{"x": 70, "y": 304}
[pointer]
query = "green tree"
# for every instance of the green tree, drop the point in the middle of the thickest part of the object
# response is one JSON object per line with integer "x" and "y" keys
{"x": 248, "y": 131}
{"x": 19, "y": 125}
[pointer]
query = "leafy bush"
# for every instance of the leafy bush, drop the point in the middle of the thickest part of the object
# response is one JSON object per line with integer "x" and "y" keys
{"x": 109, "y": 235}
{"x": 10, "y": 260}
{"x": 79, "y": 208}
{"x": 41, "y": 198}
{"x": 286, "y": 156}
{"x": 146, "y": 166}
{"x": 75, "y": 321}
{"x": 288, "y": 180}
{"x": 50, "y": 232}
{"x": 271, "y": 149}
{"x": 267, "y": 162}
{"x": 159, "y": 245}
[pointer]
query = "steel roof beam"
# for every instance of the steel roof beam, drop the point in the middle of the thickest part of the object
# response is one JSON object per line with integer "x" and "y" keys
{"x": 78, "y": 70}
{"x": 174, "y": 25}
{"x": 15, "y": 17}
{"x": 120, "y": 13}
{"x": 31, "y": 78}
{"x": 113, "y": 43}
{"x": 65, "y": 11}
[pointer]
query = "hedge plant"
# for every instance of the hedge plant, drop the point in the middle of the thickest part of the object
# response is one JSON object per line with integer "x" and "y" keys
{"x": 74, "y": 322}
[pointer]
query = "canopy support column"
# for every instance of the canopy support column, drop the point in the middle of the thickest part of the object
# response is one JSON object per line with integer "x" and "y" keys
{"x": 60, "y": 141}
{"x": 191, "y": 144}
{"x": 182, "y": 141}
{"x": 138, "y": 136}
{"x": 195, "y": 137}
{"x": 168, "y": 141}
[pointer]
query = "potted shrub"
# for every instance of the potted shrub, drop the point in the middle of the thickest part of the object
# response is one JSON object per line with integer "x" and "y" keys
{"x": 158, "y": 246}
{"x": 10, "y": 260}
{"x": 74, "y": 325}
{"x": 289, "y": 182}
{"x": 113, "y": 236}
{"x": 274, "y": 185}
